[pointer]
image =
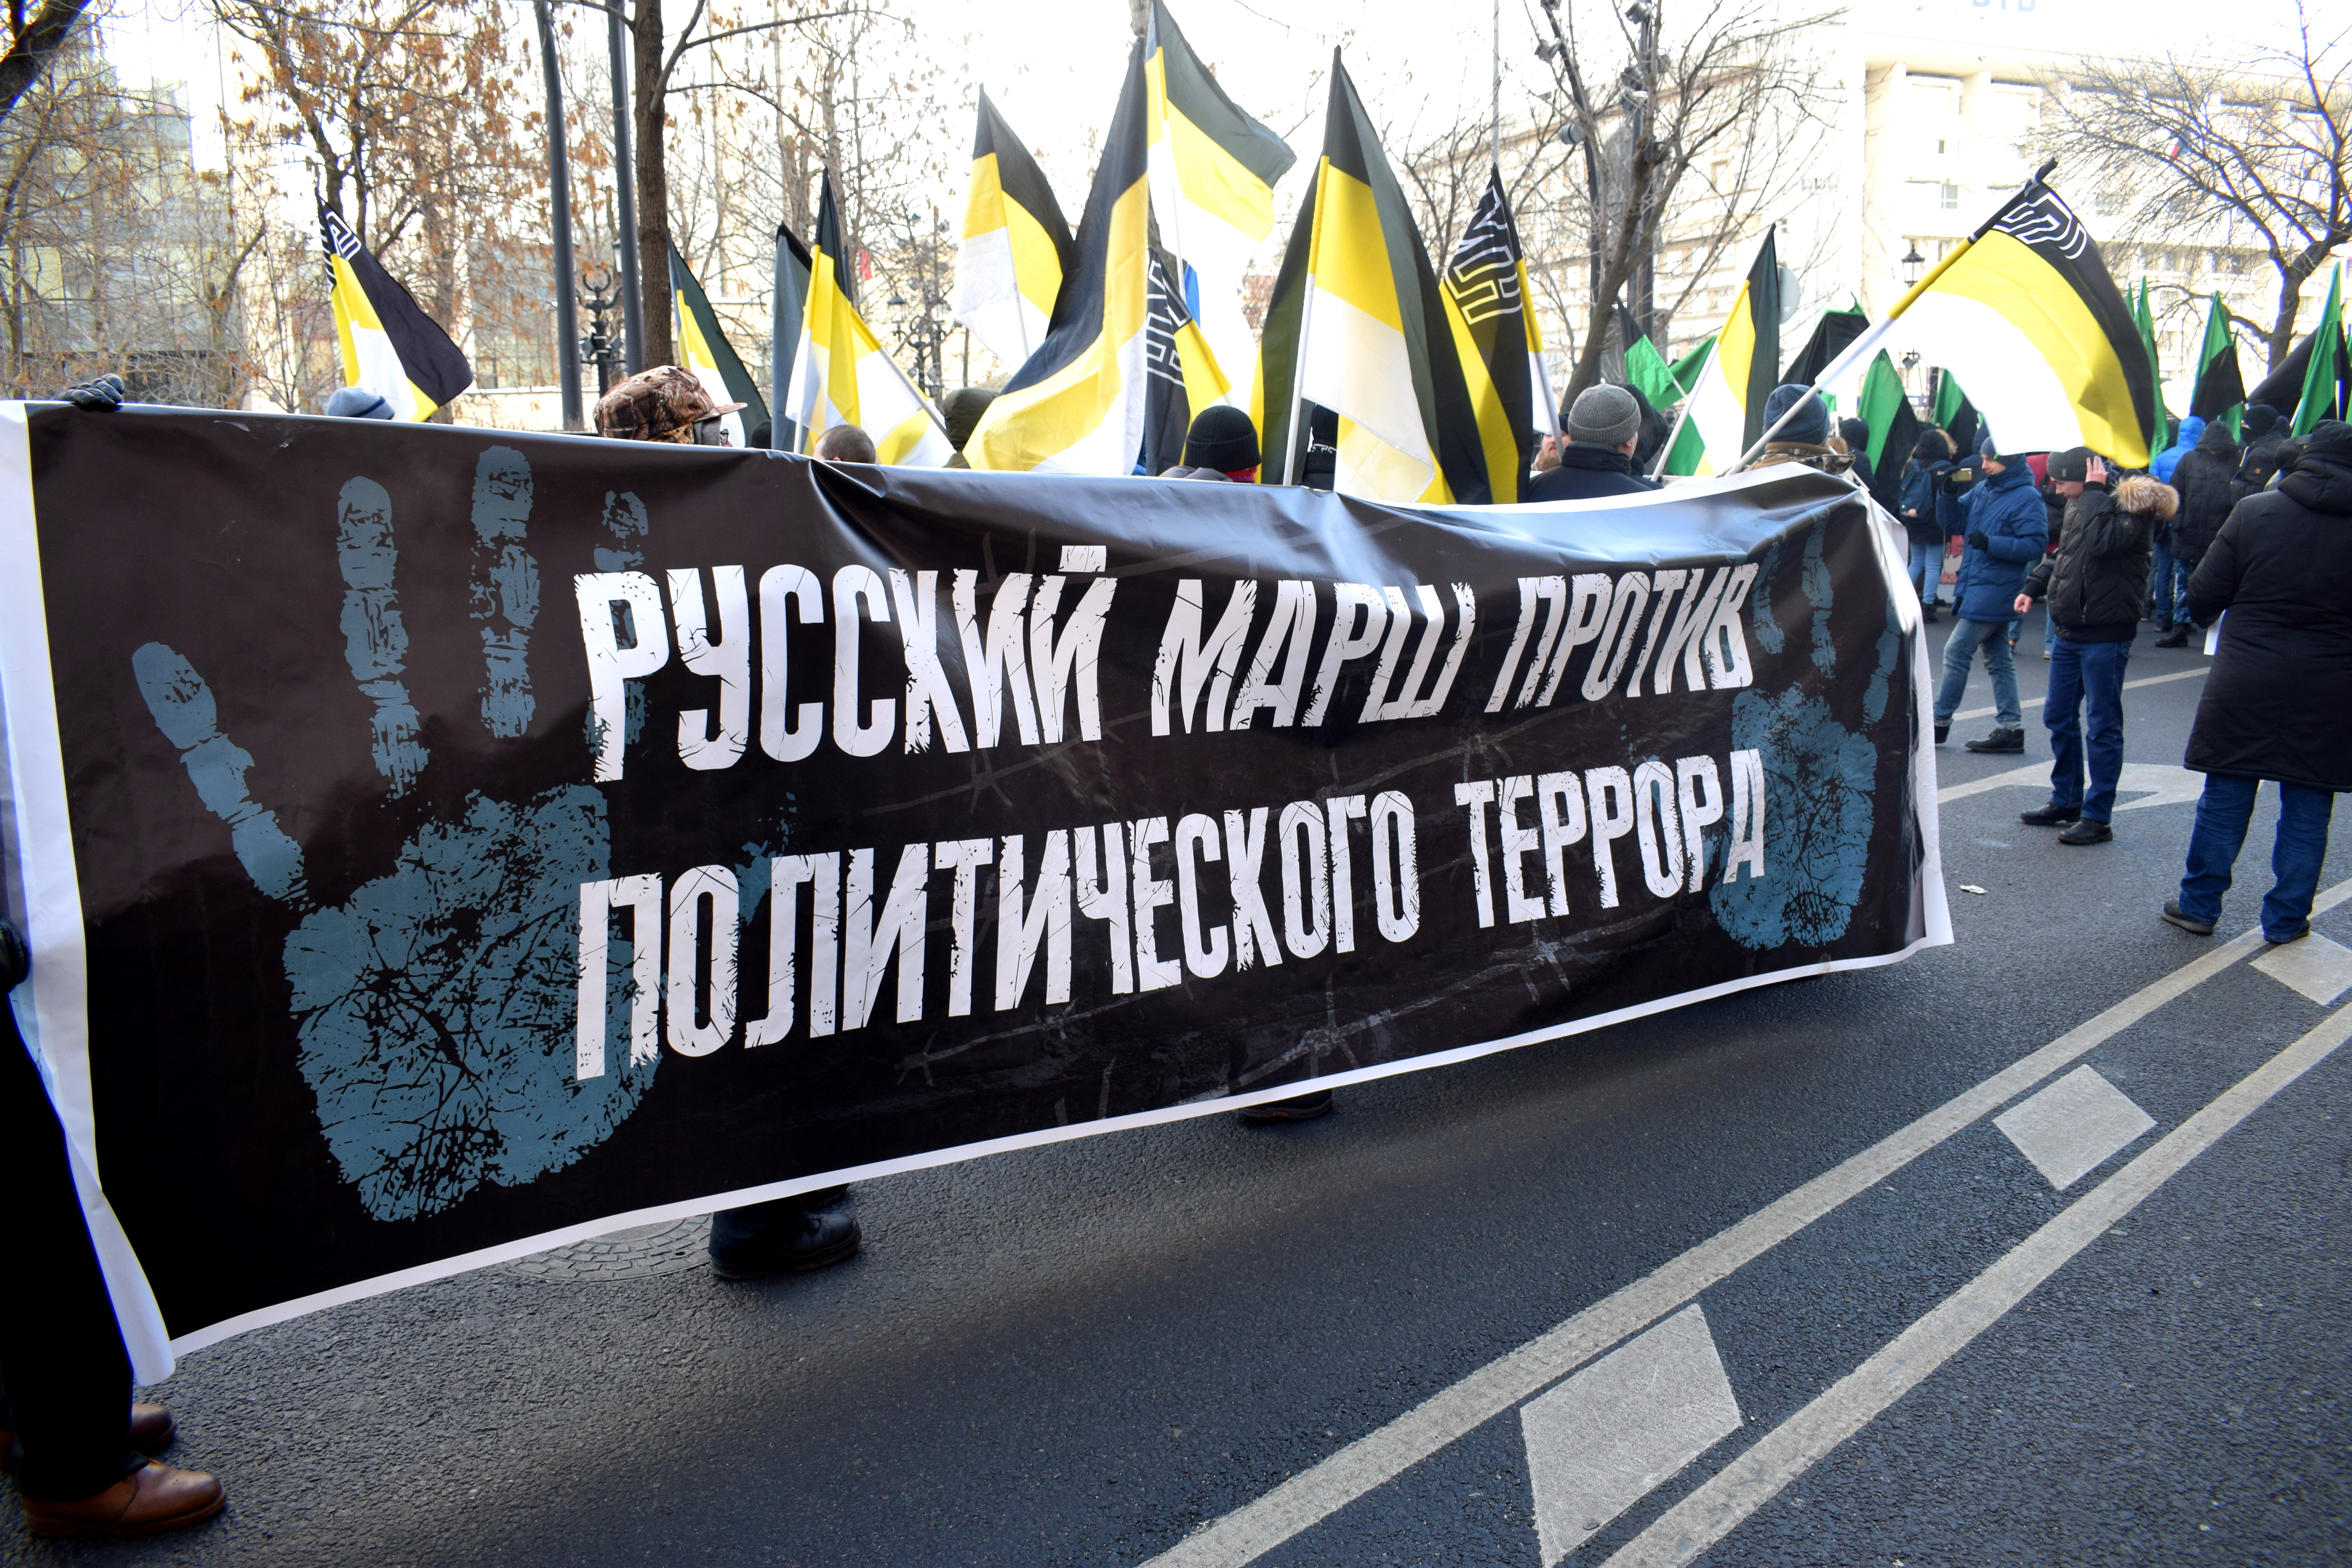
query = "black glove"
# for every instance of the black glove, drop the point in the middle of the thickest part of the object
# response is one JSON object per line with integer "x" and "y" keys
{"x": 102, "y": 394}
{"x": 1978, "y": 540}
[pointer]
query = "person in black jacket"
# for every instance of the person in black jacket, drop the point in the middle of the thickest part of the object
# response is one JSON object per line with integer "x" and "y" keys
{"x": 2097, "y": 586}
{"x": 2274, "y": 706}
{"x": 1856, "y": 434}
{"x": 2266, "y": 451}
{"x": 1603, "y": 427}
{"x": 2206, "y": 477}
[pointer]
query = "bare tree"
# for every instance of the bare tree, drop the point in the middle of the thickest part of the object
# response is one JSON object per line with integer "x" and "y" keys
{"x": 115, "y": 252}
{"x": 1702, "y": 84}
{"x": 2257, "y": 145}
{"x": 33, "y": 42}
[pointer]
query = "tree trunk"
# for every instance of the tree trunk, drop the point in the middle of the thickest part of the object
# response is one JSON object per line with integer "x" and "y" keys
{"x": 37, "y": 42}
{"x": 2280, "y": 339}
{"x": 1619, "y": 268}
{"x": 653, "y": 183}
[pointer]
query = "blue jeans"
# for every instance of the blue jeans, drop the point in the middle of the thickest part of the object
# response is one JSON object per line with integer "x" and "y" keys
{"x": 2086, "y": 678}
{"x": 1960, "y": 651}
{"x": 2220, "y": 831}
{"x": 1926, "y": 571}
{"x": 2168, "y": 588}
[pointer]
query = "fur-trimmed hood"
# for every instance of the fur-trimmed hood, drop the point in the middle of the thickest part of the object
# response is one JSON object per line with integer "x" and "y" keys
{"x": 2151, "y": 497}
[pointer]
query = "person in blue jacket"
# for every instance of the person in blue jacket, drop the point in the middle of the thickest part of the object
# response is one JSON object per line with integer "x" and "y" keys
{"x": 2182, "y": 445}
{"x": 2007, "y": 528}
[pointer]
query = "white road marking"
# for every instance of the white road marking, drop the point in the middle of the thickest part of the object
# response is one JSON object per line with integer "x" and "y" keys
{"x": 1692, "y": 1526}
{"x": 2069, "y": 1128}
{"x": 1085, "y": 557}
{"x": 1610, "y": 1436}
{"x": 1378, "y": 1456}
{"x": 2158, "y": 784}
{"x": 2129, "y": 684}
{"x": 2320, "y": 969}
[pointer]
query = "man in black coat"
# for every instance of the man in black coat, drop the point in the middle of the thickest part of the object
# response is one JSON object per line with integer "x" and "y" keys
{"x": 2097, "y": 583}
{"x": 2206, "y": 477}
{"x": 1603, "y": 427}
{"x": 2269, "y": 444}
{"x": 2275, "y": 705}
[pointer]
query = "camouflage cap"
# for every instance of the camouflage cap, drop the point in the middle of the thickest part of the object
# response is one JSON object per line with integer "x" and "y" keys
{"x": 658, "y": 404}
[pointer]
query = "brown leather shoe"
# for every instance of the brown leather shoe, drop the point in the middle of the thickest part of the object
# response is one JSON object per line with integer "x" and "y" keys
{"x": 151, "y": 1428}
{"x": 151, "y": 1500}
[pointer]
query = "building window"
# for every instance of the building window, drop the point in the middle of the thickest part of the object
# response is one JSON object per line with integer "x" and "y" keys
{"x": 1952, "y": 197}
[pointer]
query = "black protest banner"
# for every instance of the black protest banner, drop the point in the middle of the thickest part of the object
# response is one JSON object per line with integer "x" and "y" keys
{"x": 479, "y": 840}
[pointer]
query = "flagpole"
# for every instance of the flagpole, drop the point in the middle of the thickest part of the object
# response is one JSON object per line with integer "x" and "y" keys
{"x": 559, "y": 181}
{"x": 1496, "y": 134}
{"x": 1666, "y": 452}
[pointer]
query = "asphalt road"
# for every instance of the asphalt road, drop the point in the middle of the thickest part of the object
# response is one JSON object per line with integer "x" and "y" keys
{"x": 1114, "y": 1348}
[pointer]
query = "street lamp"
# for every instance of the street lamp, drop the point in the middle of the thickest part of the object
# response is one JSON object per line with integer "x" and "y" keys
{"x": 1913, "y": 263}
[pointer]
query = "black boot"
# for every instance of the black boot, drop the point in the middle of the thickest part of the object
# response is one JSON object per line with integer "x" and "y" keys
{"x": 2177, "y": 637}
{"x": 2001, "y": 740}
{"x": 1298, "y": 1107}
{"x": 777, "y": 1238}
{"x": 2049, "y": 815}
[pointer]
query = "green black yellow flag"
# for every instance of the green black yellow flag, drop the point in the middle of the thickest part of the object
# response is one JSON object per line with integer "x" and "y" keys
{"x": 1491, "y": 309}
{"x": 1953, "y": 412}
{"x": 1016, "y": 245}
{"x": 390, "y": 346}
{"x": 1078, "y": 404}
{"x": 1885, "y": 406}
{"x": 1213, "y": 170}
{"x": 2025, "y": 313}
{"x": 2160, "y": 434}
{"x": 840, "y": 375}
{"x": 703, "y": 348}
{"x": 1665, "y": 386}
{"x": 1727, "y": 403}
{"x": 2323, "y": 380}
{"x": 2221, "y": 391}
{"x": 1832, "y": 333}
{"x": 1359, "y": 325}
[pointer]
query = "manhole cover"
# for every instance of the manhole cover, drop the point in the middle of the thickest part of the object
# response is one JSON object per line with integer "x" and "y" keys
{"x": 642, "y": 1252}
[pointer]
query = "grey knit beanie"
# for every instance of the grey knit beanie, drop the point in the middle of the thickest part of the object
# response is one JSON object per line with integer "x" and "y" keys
{"x": 1605, "y": 415}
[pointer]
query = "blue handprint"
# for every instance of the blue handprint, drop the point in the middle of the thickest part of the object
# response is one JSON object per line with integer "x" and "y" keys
{"x": 1818, "y": 778}
{"x": 435, "y": 1007}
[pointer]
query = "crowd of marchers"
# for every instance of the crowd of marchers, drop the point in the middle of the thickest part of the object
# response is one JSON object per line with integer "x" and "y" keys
{"x": 2249, "y": 540}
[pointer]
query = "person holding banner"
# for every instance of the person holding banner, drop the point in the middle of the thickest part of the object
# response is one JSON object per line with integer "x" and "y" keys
{"x": 68, "y": 1426}
{"x": 787, "y": 1234}
{"x": 1604, "y": 427}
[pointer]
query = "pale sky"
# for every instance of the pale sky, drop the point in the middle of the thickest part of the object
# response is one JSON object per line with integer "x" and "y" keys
{"x": 1054, "y": 71}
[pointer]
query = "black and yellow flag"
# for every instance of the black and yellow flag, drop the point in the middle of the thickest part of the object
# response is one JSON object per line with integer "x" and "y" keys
{"x": 2025, "y": 313}
{"x": 1492, "y": 309}
{"x": 1213, "y": 170}
{"x": 1078, "y": 405}
{"x": 1183, "y": 371}
{"x": 1016, "y": 245}
{"x": 1727, "y": 403}
{"x": 389, "y": 344}
{"x": 840, "y": 375}
{"x": 703, "y": 348}
{"x": 1358, "y": 324}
